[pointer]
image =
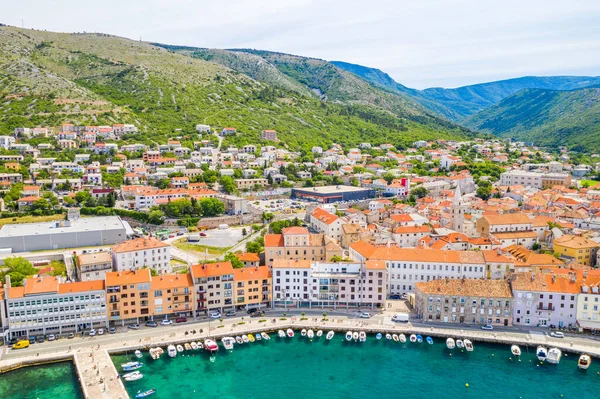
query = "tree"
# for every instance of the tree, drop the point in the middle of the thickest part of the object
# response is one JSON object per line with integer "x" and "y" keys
{"x": 244, "y": 232}
{"x": 156, "y": 217}
{"x": 111, "y": 200}
{"x": 18, "y": 269}
{"x": 254, "y": 247}
{"x": 388, "y": 177}
{"x": 163, "y": 184}
{"x": 235, "y": 262}
{"x": 152, "y": 271}
{"x": 419, "y": 192}
{"x": 484, "y": 190}
{"x": 228, "y": 184}
{"x": 58, "y": 268}
{"x": 82, "y": 196}
{"x": 211, "y": 207}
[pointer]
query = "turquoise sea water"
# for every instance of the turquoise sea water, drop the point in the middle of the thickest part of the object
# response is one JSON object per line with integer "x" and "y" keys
{"x": 298, "y": 368}
{"x": 50, "y": 381}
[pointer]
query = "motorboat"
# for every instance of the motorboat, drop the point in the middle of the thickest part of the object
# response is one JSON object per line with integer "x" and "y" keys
{"x": 245, "y": 338}
{"x": 450, "y": 343}
{"x": 362, "y": 336}
{"x": 251, "y": 338}
{"x": 258, "y": 337}
{"x": 179, "y": 348}
{"x": 329, "y": 335}
{"x": 468, "y": 345}
{"x": 429, "y": 340}
{"x": 265, "y": 336}
{"x": 145, "y": 394}
{"x": 541, "y": 353}
{"x": 396, "y": 338}
{"x": 319, "y": 333}
{"x": 187, "y": 346}
{"x": 130, "y": 366}
{"x": 355, "y": 335}
{"x": 133, "y": 376}
{"x": 413, "y": 338}
{"x": 460, "y": 344}
{"x": 228, "y": 343}
{"x": 290, "y": 333}
{"x": 515, "y": 350}
{"x": 138, "y": 354}
{"x": 281, "y": 334}
{"x": 303, "y": 332}
{"x": 172, "y": 351}
{"x": 584, "y": 361}
{"x": 402, "y": 338}
{"x": 239, "y": 340}
{"x": 211, "y": 345}
{"x": 349, "y": 336}
{"x": 200, "y": 345}
{"x": 155, "y": 353}
{"x": 310, "y": 334}
{"x": 388, "y": 336}
{"x": 194, "y": 345}
{"x": 419, "y": 338}
{"x": 554, "y": 355}
{"x": 378, "y": 336}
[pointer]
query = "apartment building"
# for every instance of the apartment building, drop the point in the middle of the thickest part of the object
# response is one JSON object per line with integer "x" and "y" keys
{"x": 128, "y": 296}
{"x": 142, "y": 252}
{"x": 44, "y": 305}
{"x": 252, "y": 287}
{"x": 588, "y": 303}
{"x": 297, "y": 243}
{"x": 270, "y": 135}
{"x": 501, "y": 223}
{"x": 326, "y": 223}
{"x": 464, "y": 301}
{"x": 93, "y": 266}
{"x": 537, "y": 180}
{"x": 409, "y": 236}
{"x": 213, "y": 287}
{"x": 249, "y": 184}
{"x": 576, "y": 248}
{"x": 172, "y": 295}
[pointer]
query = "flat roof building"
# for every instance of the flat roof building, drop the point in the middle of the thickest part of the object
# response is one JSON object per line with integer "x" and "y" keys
{"x": 331, "y": 194}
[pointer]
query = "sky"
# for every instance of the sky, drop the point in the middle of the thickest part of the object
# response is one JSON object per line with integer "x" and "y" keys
{"x": 419, "y": 43}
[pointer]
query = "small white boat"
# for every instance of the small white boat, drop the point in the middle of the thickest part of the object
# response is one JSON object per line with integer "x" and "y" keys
{"x": 290, "y": 333}
{"x": 245, "y": 338}
{"x": 319, "y": 333}
{"x": 179, "y": 348}
{"x": 460, "y": 344}
{"x": 194, "y": 345}
{"x": 303, "y": 332}
{"x": 468, "y": 345}
{"x": 187, "y": 346}
{"x": 138, "y": 354}
{"x": 450, "y": 343}
{"x": 228, "y": 343}
{"x": 402, "y": 338}
{"x": 310, "y": 334}
{"x": 200, "y": 345}
{"x": 211, "y": 345}
{"x": 515, "y": 350}
{"x": 265, "y": 336}
{"x": 159, "y": 351}
{"x": 378, "y": 336}
{"x": 154, "y": 353}
{"x": 355, "y": 335}
{"x": 258, "y": 337}
{"x": 388, "y": 336}
{"x": 362, "y": 336}
{"x": 281, "y": 334}
{"x": 554, "y": 355}
{"x": 349, "y": 336}
{"x": 133, "y": 376}
{"x": 541, "y": 353}
{"x": 584, "y": 361}
{"x": 172, "y": 351}
{"x": 413, "y": 338}
{"x": 130, "y": 366}
{"x": 330, "y": 335}
{"x": 396, "y": 338}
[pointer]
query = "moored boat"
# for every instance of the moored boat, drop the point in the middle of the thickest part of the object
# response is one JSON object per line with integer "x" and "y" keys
{"x": 429, "y": 340}
{"x": 245, "y": 338}
{"x": 460, "y": 344}
{"x": 388, "y": 336}
{"x": 250, "y": 338}
{"x": 378, "y": 336}
{"x": 413, "y": 338}
{"x": 133, "y": 376}
{"x": 419, "y": 338}
{"x": 330, "y": 335}
{"x": 138, "y": 354}
{"x": 468, "y": 345}
{"x": 290, "y": 333}
{"x": 450, "y": 343}
{"x": 265, "y": 336}
{"x": 303, "y": 332}
{"x": 130, "y": 366}
{"x": 200, "y": 345}
{"x": 310, "y": 334}
{"x": 355, "y": 335}
{"x": 187, "y": 346}
{"x": 396, "y": 338}
{"x": 258, "y": 337}
{"x": 281, "y": 334}
{"x": 172, "y": 351}
{"x": 554, "y": 355}
{"x": 515, "y": 350}
{"x": 362, "y": 336}
{"x": 228, "y": 343}
{"x": 319, "y": 333}
{"x": 584, "y": 361}
{"x": 211, "y": 345}
{"x": 145, "y": 394}
{"x": 541, "y": 353}
{"x": 179, "y": 348}
{"x": 349, "y": 336}
{"x": 194, "y": 345}
{"x": 239, "y": 340}
{"x": 402, "y": 338}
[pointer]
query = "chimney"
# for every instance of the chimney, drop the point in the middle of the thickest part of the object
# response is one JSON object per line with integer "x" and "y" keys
{"x": 532, "y": 277}
{"x": 585, "y": 274}
{"x": 573, "y": 277}
{"x": 553, "y": 278}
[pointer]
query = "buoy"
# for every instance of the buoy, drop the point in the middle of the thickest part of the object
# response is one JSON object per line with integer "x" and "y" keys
{"x": 467, "y": 385}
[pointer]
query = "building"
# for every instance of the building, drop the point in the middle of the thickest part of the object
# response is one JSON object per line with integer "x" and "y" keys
{"x": 332, "y": 194}
{"x": 203, "y": 128}
{"x": 250, "y": 184}
{"x": 252, "y": 287}
{"x": 249, "y": 259}
{"x": 500, "y": 223}
{"x": 213, "y": 287}
{"x": 128, "y": 296}
{"x": 328, "y": 285}
{"x": 143, "y": 252}
{"x": 85, "y": 232}
{"x": 409, "y": 236}
{"x": 44, "y": 305}
{"x": 576, "y": 249}
{"x": 464, "y": 301}
{"x": 172, "y": 296}
{"x": 588, "y": 303}
{"x": 93, "y": 266}
{"x": 537, "y": 180}
{"x": 296, "y": 243}
{"x": 326, "y": 223}
{"x": 270, "y": 135}
{"x": 234, "y": 205}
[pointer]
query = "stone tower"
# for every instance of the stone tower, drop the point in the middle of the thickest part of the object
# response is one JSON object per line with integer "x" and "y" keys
{"x": 458, "y": 211}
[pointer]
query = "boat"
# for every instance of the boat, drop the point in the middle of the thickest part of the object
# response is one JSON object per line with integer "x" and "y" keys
{"x": 402, "y": 338}
{"x": 303, "y": 332}
{"x": 554, "y": 355}
{"x": 179, "y": 348}
{"x": 187, "y": 346}
{"x": 194, "y": 345}
{"x": 134, "y": 376}
{"x": 330, "y": 335}
{"x": 515, "y": 350}
{"x": 239, "y": 340}
{"x": 450, "y": 343}
{"x": 211, "y": 345}
{"x": 132, "y": 366}
{"x": 172, "y": 351}
{"x": 468, "y": 345}
{"x": 154, "y": 353}
{"x": 250, "y": 338}
{"x": 258, "y": 337}
{"x": 138, "y": 354}
{"x": 200, "y": 345}
{"x": 319, "y": 333}
{"x": 265, "y": 336}
{"x": 159, "y": 351}
{"x": 429, "y": 340}
{"x": 413, "y": 338}
{"x": 245, "y": 338}
{"x": 228, "y": 343}
{"x": 378, "y": 336}
{"x": 281, "y": 334}
{"x": 541, "y": 353}
{"x": 388, "y": 336}
{"x": 290, "y": 333}
{"x": 145, "y": 394}
{"x": 355, "y": 335}
{"x": 362, "y": 336}
{"x": 395, "y": 338}
{"x": 584, "y": 361}
{"x": 349, "y": 336}
{"x": 419, "y": 338}
{"x": 460, "y": 344}
{"x": 310, "y": 334}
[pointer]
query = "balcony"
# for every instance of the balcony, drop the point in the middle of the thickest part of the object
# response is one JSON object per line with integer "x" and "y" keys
{"x": 541, "y": 306}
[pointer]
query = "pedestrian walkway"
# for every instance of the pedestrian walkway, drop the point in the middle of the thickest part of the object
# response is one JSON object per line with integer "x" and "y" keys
{"x": 98, "y": 376}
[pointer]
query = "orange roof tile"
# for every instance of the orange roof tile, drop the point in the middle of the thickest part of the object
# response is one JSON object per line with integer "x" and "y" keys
{"x": 248, "y": 257}
{"x": 173, "y": 280}
{"x": 291, "y": 264}
{"x": 139, "y": 244}
{"x": 212, "y": 269}
{"x": 128, "y": 277}
{"x": 466, "y": 287}
{"x": 274, "y": 240}
{"x": 41, "y": 285}
{"x": 83, "y": 286}
{"x": 251, "y": 273}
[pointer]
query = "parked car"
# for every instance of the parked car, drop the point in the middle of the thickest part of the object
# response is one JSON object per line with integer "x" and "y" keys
{"x": 133, "y": 326}
{"x": 180, "y": 233}
{"x": 40, "y": 339}
{"x": 92, "y": 332}
{"x": 181, "y": 320}
{"x": 394, "y": 296}
{"x": 215, "y": 315}
{"x": 252, "y": 310}
{"x": 151, "y": 324}
{"x": 487, "y": 327}
{"x": 31, "y": 339}
{"x": 51, "y": 337}
{"x": 21, "y": 344}
{"x": 166, "y": 322}
{"x": 230, "y": 313}
{"x": 112, "y": 330}
{"x": 557, "y": 334}
{"x": 203, "y": 234}
{"x": 101, "y": 331}
{"x": 365, "y": 315}
{"x": 71, "y": 335}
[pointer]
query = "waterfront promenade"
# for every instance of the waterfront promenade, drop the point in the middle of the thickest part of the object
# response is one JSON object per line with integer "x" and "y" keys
{"x": 98, "y": 376}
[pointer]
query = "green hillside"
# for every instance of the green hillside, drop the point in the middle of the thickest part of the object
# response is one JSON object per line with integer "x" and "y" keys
{"x": 546, "y": 117}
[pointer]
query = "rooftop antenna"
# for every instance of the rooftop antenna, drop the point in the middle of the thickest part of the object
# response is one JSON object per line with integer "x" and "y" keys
{"x": 22, "y": 23}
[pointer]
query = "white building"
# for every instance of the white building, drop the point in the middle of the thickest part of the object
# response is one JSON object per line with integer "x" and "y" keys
{"x": 6, "y": 142}
{"x": 203, "y": 128}
{"x": 327, "y": 223}
{"x": 142, "y": 252}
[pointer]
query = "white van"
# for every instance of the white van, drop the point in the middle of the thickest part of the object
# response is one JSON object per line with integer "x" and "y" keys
{"x": 401, "y": 318}
{"x": 223, "y": 226}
